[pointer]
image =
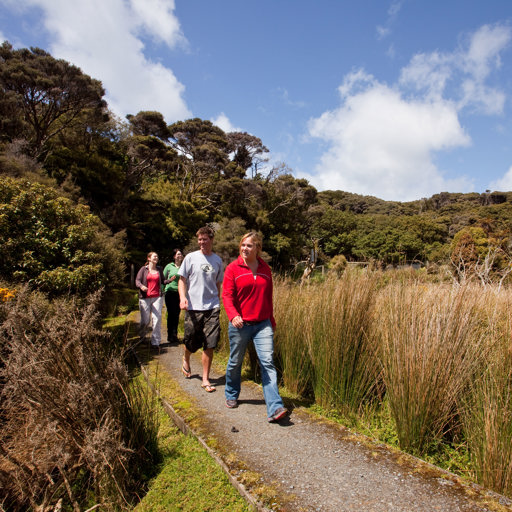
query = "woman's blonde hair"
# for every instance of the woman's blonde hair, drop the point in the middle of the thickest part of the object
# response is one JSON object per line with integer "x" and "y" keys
{"x": 256, "y": 238}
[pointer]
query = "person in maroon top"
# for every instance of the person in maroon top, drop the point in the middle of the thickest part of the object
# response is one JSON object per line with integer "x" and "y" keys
{"x": 149, "y": 281}
{"x": 247, "y": 298}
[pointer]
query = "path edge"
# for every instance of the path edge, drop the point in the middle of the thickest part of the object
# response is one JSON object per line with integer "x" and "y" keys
{"x": 187, "y": 430}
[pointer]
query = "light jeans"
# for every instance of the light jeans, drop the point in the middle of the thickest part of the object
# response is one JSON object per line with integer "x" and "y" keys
{"x": 151, "y": 311}
{"x": 262, "y": 335}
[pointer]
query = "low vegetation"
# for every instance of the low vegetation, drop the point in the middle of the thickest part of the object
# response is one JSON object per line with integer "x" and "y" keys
{"x": 76, "y": 430}
{"x": 187, "y": 478}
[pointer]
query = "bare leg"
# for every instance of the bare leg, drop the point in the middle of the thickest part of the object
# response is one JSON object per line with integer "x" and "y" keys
{"x": 186, "y": 359}
{"x": 207, "y": 359}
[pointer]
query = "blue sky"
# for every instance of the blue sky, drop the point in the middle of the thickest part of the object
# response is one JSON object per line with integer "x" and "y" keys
{"x": 399, "y": 99}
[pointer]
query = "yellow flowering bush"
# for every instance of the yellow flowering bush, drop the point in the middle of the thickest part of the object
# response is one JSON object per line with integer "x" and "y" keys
{"x": 6, "y": 294}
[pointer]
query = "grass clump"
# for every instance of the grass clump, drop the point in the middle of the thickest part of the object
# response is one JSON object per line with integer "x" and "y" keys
{"x": 413, "y": 361}
{"x": 322, "y": 340}
{"x": 74, "y": 430}
{"x": 432, "y": 342}
{"x": 487, "y": 408}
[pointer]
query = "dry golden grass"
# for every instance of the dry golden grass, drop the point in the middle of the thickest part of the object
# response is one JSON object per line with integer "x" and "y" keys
{"x": 437, "y": 355}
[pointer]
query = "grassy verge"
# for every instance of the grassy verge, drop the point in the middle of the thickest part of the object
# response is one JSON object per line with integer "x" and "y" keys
{"x": 187, "y": 479}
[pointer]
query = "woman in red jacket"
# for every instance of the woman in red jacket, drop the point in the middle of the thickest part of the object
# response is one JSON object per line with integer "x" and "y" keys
{"x": 247, "y": 298}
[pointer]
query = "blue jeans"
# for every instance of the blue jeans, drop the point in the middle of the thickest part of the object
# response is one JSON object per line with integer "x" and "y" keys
{"x": 262, "y": 336}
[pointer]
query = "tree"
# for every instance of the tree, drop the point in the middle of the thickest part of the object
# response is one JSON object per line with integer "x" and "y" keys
{"x": 49, "y": 94}
{"x": 203, "y": 156}
{"x": 334, "y": 228}
{"x": 53, "y": 243}
{"x": 248, "y": 152}
{"x": 149, "y": 123}
{"x": 168, "y": 220}
{"x": 282, "y": 217}
{"x": 94, "y": 161}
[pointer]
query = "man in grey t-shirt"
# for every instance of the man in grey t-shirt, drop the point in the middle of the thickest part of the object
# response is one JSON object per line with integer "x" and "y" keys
{"x": 201, "y": 275}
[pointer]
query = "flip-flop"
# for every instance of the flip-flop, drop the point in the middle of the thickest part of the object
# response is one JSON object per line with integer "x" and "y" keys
{"x": 208, "y": 388}
{"x": 187, "y": 373}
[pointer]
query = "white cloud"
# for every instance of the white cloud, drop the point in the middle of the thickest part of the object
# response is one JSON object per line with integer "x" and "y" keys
{"x": 223, "y": 122}
{"x": 382, "y": 32}
{"x": 286, "y": 98}
{"x": 466, "y": 70}
{"x": 428, "y": 72}
{"x": 382, "y": 139}
{"x": 504, "y": 184}
{"x": 394, "y": 9}
{"x": 157, "y": 18}
{"x": 103, "y": 39}
{"x": 484, "y": 50}
{"x": 482, "y": 58}
{"x": 381, "y": 144}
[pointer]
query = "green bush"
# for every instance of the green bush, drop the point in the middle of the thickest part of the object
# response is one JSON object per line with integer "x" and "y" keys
{"x": 53, "y": 243}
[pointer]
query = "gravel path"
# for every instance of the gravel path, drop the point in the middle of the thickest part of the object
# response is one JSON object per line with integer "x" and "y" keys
{"x": 319, "y": 466}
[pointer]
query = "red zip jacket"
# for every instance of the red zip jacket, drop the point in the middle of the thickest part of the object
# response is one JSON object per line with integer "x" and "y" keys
{"x": 247, "y": 295}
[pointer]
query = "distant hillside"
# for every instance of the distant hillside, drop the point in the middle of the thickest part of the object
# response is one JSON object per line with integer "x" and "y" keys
{"x": 366, "y": 227}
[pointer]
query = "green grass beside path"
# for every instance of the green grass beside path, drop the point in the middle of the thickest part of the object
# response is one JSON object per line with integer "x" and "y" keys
{"x": 188, "y": 478}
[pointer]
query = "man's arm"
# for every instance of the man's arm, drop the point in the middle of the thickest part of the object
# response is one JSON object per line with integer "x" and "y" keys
{"x": 182, "y": 290}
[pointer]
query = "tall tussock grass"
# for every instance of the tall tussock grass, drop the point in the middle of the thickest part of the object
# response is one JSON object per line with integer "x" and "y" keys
{"x": 324, "y": 327}
{"x": 294, "y": 327}
{"x": 74, "y": 429}
{"x": 432, "y": 345}
{"x": 487, "y": 411}
{"x": 436, "y": 355}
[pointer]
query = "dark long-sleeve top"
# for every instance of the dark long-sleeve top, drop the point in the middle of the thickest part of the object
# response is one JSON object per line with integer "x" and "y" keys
{"x": 142, "y": 279}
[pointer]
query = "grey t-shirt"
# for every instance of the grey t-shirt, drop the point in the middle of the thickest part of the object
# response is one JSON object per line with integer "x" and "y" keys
{"x": 202, "y": 273}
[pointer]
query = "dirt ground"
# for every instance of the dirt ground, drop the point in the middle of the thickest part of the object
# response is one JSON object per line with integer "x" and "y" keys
{"x": 315, "y": 465}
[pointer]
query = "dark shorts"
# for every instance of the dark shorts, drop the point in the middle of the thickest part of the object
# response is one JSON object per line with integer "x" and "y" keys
{"x": 202, "y": 329}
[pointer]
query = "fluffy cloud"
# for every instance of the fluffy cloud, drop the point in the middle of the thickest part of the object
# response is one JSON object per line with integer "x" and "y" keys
{"x": 382, "y": 139}
{"x": 504, "y": 183}
{"x": 104, "y": 39}
{"x": 157, "y": 18}
{"x": 463, "y": 73}
{"x": 223, "y": 122}
{"x": 381, "y": 143}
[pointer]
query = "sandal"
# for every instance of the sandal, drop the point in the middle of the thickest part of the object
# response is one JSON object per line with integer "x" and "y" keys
{"x": 208, "y": 388}
{"x": 187, "y": 373}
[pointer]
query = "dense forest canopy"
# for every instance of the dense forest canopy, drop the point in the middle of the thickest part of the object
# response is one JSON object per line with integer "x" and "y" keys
{"x": 152, "y": 184}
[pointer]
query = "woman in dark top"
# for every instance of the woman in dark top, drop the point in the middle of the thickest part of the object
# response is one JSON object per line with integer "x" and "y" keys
{"x": 150, "y": 280}
{"x": 172, "y": 297}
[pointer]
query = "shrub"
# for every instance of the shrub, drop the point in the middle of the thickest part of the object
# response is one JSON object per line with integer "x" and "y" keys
{"x": 337, "y": 264}
{"x": 73, "y": 426}
{"x": 53, "y": 243}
